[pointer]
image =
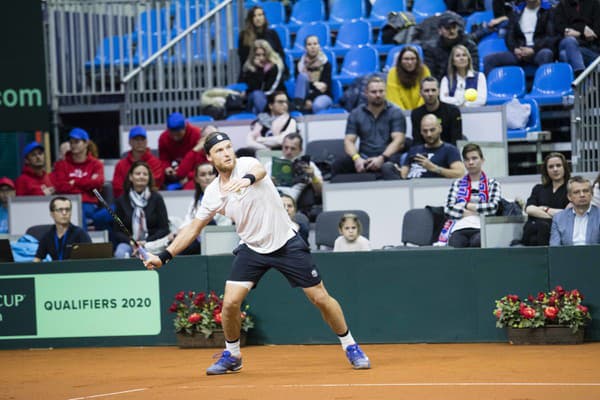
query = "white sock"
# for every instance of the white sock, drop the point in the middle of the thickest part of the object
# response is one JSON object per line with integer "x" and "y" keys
{"x": 234, "y": 348}
{"x": 346, "y": 340}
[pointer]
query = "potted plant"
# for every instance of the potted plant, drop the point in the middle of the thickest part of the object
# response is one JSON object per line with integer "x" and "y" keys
{"x": 198, "y": 319}
{"x": 555, "y": 317}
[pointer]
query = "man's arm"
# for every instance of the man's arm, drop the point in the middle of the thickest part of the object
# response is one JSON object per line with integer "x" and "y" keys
{"x": 352, "y": 151}
{"x": 554, "y": 234}
{"x": 397, "y": 144}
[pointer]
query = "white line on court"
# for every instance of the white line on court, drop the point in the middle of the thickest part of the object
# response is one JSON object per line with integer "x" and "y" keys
{"x": 414, "y": 384}
{"x": 94, "y": 396}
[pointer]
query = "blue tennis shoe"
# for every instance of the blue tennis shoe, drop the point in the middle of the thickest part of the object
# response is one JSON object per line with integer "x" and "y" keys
{"x": 225, "y": 364}
{"x": 357, "y": 358}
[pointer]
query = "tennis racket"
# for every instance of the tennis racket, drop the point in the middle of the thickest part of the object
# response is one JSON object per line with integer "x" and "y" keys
{"x": 141, "y": 250}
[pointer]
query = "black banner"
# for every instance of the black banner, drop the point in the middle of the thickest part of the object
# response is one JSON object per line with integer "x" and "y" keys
{"x": 17, "y": 307}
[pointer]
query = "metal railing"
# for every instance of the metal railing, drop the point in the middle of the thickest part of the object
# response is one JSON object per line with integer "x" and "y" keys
{"x": 585, "y": 120}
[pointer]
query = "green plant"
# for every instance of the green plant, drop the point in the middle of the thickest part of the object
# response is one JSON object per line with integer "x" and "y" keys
{"x": 201, "y": 313}
{"x": 556, "y": 307}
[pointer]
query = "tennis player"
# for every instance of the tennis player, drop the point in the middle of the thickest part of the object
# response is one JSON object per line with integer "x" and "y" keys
{"x": 268, "y": 240}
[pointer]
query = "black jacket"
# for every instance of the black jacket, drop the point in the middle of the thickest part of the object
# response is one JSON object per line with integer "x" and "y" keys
{"x": 544, "y": 36}
{"x": 567, "y": 16}
{"x": 157, "y": 218}
{"x": 436, "y": 54}
{"x": 270, "y": 36}
{"x": 267, "y": 82}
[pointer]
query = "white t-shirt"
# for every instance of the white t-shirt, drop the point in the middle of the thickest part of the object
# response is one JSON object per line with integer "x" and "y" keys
{"x": 257, "y": 211}
{"x": 360, "y": 244}
{"x": 472, "y": 221}
{"x": 527, "y": 24}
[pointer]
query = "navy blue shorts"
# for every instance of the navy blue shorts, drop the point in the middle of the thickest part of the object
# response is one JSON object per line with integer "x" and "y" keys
{"x": 293, "y": 260}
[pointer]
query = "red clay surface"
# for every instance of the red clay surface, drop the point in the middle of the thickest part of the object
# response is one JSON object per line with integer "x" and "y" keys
{"x": 403, "y": 371}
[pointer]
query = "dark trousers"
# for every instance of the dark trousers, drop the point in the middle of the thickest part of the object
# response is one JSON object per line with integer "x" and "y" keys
{"x": 491, "y": 61}
{"x": 536, "y": 232}
{"x": 468, "y": 237}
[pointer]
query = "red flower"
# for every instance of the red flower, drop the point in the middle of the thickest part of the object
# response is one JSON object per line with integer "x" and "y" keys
{"x": 194, "y": 318}
{"x": 173, "y": 307}
{"x": 541, "y": 296}
{"x": 552, "y": 301}
{"x": 531, "y": 299}
{"x": 217, "y": 317}
{"x": 498, "y": 313}
{"x": 560, "y": 291}
{"x": 527, "y": 312}
{"x": 180, "y": 296}
{"x": 583, "y": 309}
{"x": 575, "y": 293}
{"x": 191, "y": 294}
{"x": 550, "y": 312}
{"x": 512, "y": 297}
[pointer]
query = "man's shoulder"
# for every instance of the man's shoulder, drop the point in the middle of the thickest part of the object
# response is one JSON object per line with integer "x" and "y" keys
{"x": 449, "y": 108}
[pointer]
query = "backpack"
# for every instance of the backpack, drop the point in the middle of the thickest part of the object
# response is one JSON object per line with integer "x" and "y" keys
{"x": 427, "y": 30}
{"x": 400, "y": 28}
{"x": 354, "y": 95}
{"x": 509, "y": 208}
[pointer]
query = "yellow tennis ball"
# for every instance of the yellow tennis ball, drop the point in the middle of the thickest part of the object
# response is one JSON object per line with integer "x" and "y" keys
{"x": 470, "y": 94}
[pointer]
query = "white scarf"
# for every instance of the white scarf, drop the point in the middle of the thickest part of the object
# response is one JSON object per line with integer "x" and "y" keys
{"x": 139, "y": 201}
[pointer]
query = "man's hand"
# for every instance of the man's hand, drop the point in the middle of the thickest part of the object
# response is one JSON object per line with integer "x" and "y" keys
{"x": 424, "y": 162}
{"x": 360, "y": 164}
{"x": 321, "y": 86}
{"x": 589, "y": 34}
{"x": 153, "y": 262}
{"x": 374, "y": 163}
{"x": 235, "y": 185}
{"x": 572, "y": 32}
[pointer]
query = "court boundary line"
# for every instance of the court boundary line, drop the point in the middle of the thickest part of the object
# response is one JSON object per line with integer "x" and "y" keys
{"x": 406, "y": 384}
{"x": 94, "y": 396}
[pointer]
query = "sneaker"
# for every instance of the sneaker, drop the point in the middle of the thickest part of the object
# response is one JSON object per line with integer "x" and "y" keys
{"x": 226, "y": 363}
{"x": 357, "y": 358}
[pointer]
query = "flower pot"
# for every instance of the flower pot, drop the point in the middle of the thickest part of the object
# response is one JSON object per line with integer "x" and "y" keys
{"x": 552, "y": 334}
{"x": 197, "y": 340}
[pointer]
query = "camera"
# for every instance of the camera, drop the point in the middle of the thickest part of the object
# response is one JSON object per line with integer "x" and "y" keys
{"x": 299, "y": 166}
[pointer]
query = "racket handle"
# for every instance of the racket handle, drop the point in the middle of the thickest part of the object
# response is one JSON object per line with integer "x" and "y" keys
{"x": 143, "y": 253}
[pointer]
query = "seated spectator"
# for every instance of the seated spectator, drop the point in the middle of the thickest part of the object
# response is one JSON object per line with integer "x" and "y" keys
{"x": 596, "y": 194}
{"x": 350, "y": 238}
{"x": 269, "y": 129}
{"x": 7, "y": 190}
{"x": 313, "y": 82}
{"x": 34, "y": 180}
{"x": 578, "y": 23}
{"x": 530, "y": 38}
{"x": 139, "y": 152}
{"x": 449, "y": 115}
{"x": 433, "y": 159}
{"x": 461, "y": 77}
{"x": 546, "y": 200}
{"x": 79, "y": 173}
{"x": 465, "y": 8}
{"x": 187, "y": 167}
{"x": 296, "y": 216}
{"x": 263, "y": 72}
{"x": 173, "y": 144}
{"x": 380, "y": 126}
{"x": 404, "y": 79}
{"x": 63, "y": 149}
{"x": 579, "y": 225}
{"x": 58, "y": 240}
{"x": 469, "y": 198}
{"x": 142, "y": 210}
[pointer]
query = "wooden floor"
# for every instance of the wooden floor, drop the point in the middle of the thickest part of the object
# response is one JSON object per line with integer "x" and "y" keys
{"x": 404, "y": 371}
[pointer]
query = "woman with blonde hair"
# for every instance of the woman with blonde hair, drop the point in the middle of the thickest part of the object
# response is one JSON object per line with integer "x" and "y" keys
{"x": 263, "y": 73}
{"x": 461, "y": 77}
{"x": 256, "y": 27}
{"x": 404, "y": 79}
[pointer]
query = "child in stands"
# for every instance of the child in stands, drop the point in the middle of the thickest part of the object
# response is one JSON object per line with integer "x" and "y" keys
{"x": 351, "y": 239}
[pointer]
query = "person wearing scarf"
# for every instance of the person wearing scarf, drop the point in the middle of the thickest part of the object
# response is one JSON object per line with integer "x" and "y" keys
{"x": 142, "y": 210}
{"x": 469, "y": 197}
{"x": 313, "y": 83}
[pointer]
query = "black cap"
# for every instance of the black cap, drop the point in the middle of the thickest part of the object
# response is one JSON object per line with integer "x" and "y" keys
{"x": 449, "y": 19}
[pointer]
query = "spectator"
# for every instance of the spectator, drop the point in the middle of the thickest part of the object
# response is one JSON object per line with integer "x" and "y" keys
{"x": 578, "y": 23}
{"x": 596, "y": 190}
{"x": 380, "y": 127}
{"x": 463, "y": 7}
{"x": 546, "y": 200}
{"x": 269, "y": 129}
{"x": 579, "y": 225}
{"x": 313, "y": 82}
{"x": 58, "y": 240}
{"x": 502, "y": 11}
{"x": 142, "y": 210}
{"x": 34, "y": 180}
{"x": 404, "y": 79}
{"x": 448, "y": 114}
{"x": 192, "y": 159}
{"x": 433, "y": 159}
{"x": 350, "y": 238}
{"x": 138, "y": 141}
{"x": 173, "y": 144}
{"x": 256, "y": 27}
{"x": 63, "y": 149}
{"x": 263, "y": 72}
{"x": 461, "y": 77}
{"x": 451, "y": 33}
{"x": 470, "y": 197}
{"x": 79, "y": 173}
{"x": 7, "y": 191}
{"x": 530, "y": 38}
{"x": 296, "y": 216}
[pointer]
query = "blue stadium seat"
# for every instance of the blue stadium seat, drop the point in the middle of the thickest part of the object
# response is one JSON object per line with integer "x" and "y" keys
{"x": 551, "y": 83}
{"x": 534, "y": 123}
{"x": 304, "y": 12}
{"x": 390, "y": 60}
{"x": 336, "y": 90}
{"x": 241, "y": 116}
{"x": 332, "y": 60}
{"x": 358, "y": 61}
{"x": 426, "y": 8}
{"x": 291, "y": 65}
{"x": 200, "y": 118}
{"x": 341, "y": 11}
{"x": 381, "y": 8}
{"x": 333, "y": 110}
{"x": 274, "y": 11}
{"x": 152, "y": 21}
{"x": 353, "y": 33}
{"x": 477, "y": 18}
{"x": 504, "y": 83}
{"x": 296, "y": 114}
{"x": 113, "y": 50}
{"x": 290, "y": 87}
{"x": 320, "y": 29}
{"x": 284, "y": 36}
{"x": 239, "y": 87}
{"x": 489, "y": 46}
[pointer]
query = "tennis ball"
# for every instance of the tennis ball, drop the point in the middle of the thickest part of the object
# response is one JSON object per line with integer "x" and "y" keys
{"x": 470, "y": 94}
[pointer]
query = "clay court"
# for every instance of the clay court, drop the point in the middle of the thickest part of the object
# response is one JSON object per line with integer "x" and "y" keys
{"x": 402, "y": 371}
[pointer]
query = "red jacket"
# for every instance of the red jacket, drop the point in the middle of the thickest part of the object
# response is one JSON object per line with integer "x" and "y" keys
{"x": 169, "y": 150}
{"x": 30, "y": 184}
{"x": 187, "y": 166}
{"x": 124, "y": 164}
{"x": 87, "y": 175}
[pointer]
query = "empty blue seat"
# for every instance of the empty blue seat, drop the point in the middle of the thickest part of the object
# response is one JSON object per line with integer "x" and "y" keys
{"x": 200, "y": 118}
{"x": 427, "y": 8}
{"x": 333, "y": 110}
{"x": 352, "y": 34}
{"x": 336, "y": 90}
{"x": 274, "y": 11}
{"x": 390, "y": 60}
{"x": 152, "y": 21}
{"x": 113, "y": 50}
{"x": 489, "y": 46}
{"x": 332, "y": 60}
{"x": 358, "y": 61}
{"x": 504, "y": 83}
{"x": 319, "y": 29}
{"x": 306, "y": 11}
{"x": 477, "y": 18}
{"x": 551, "y": 83}
{"x": 534, "y": 123}
{"x": 341, "y": 11}
{"x": 381, "y": 8}
{"x": 284, "y": 35}
{"x": 242, "y": 116}
{"x": 296, "y": 114}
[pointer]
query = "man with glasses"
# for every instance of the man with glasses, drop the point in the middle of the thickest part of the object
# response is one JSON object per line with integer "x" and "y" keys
{"x": 56, "y": 242}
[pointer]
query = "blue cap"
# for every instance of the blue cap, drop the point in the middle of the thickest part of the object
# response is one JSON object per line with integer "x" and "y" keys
{"x": 137, "y": 131}
{"x": 79, "y": 134}
{"x": 31, "y": 147}
{"x": 176, "y": 121}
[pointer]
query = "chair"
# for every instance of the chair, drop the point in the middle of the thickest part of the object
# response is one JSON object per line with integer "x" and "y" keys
{"x": 284, "y": 35}
{"x": 392, "y": 55}
{"x": 319, "y": 29}
{"x": 426, "y": 8}
{"x": 325, "y": 150}
{"x": 274, "y": 12}
{"x": 347, "y": 178}
{"x": 489, "y": 46}
{"x": 477, "y": 17}
{"x": 305, "y": 12}
{"x": 341, "y": 11}
{"x": 111, "y": 51}
{"x": 353, "y": 33}
{"x": 200, "y": 118}
{"x": 380, "y": 10}
{"x": 358, "y": 62}
{"x": 551, "y": 83}
{"x": 241, "y": 116}
{"x": 326, "y": 226}
{"x": 38, "y": 231}
{"x": 417, "y": 227}
{"x": 333, "y": 110}
{"x": 336, "y": 90}
{"x": 504, "y": 83}
{"x": 534, "y": 124}
{"x": 152, "y": 21}
{"x": 332, "y": 60}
